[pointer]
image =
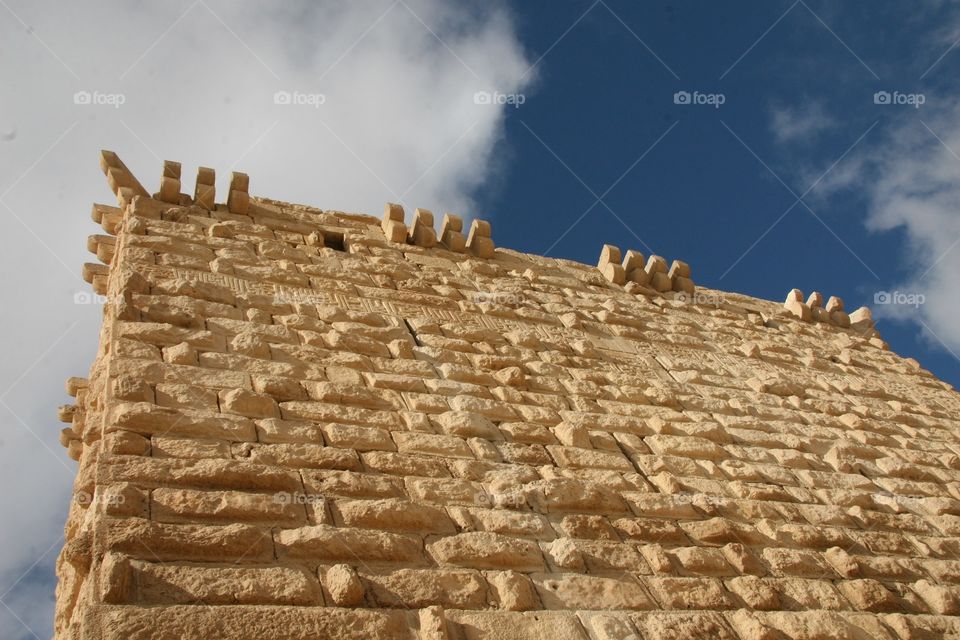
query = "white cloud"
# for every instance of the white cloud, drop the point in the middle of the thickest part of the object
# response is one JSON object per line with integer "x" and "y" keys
{"x": 398, "y": 122}
{"x": 913, "y": 182}
{"x": 908, "y": 172}
{"x": 800, "y": 123}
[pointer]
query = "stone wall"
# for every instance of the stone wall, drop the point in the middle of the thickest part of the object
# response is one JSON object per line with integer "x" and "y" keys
{"x": 310, "y": 424}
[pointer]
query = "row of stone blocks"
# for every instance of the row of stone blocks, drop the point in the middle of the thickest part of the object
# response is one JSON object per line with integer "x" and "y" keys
{"x": 125, "y": 186}
{"x": 422, "y": 234}
{"x": 651, "y": 273}
{"x": 814, "y": 310}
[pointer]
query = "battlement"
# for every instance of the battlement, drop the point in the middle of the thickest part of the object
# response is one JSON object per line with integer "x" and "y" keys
{"x": 304, "y": 423}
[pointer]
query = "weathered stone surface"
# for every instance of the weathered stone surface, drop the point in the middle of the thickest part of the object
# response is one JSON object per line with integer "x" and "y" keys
{"x": 393, "y": 515}
{"x": 184, "y": 584}
{"x": 186, "y": 505}
{"x": 316, "y": 424}
{"x": 336, "y": 544}
{"x": 414, "y": 588}
{"x": 518, "y": 626}
{"x": 202, "y": 622}
{"x": 574, "y": 591}
{"x": 484, "y": 550}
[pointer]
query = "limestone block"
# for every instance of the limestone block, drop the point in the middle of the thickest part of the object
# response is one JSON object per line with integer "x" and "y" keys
{"x": 181, "y": 353}
{"x": 656, "y": 264}
{"x": 815, "y": 300}
{"x": 392, "y": 225}
{"x": 205, "y": 192}
{"x": 343, "y": 585}
{"x": 633, "y": 267}
{"x": 576, "y": 591}
{"x": 337, "y": 544}
{"x": 702, "y": 561}
{"x": 432, "y": 445}
{"x": 353, "y": 485}
{"x": 119, "y": 176}
{"x": 835, "y": 303}
{"x": 247, "y": 403}
{"x": 689, "y": 593}
{"x": 148, "y": 419}
{"x": 238, "y": 202}
{"x": 180, "y": 584}
{"x": 679, "y": 269}
{"x": 869, "y": 595}
{"x": 238, "y": 196}
{"x": 676, "y": 625}
{"x": 185, "y": 505}
{"x": 422, "y": 233}
{"x": 484, "y": 550}
{"x": 755, "y": 592}
{"x": 608, "y": 254}
{"x": 512, "y": 591}
{"x": 661, "y": 282}
{"x": 155, "y": 541}
{"x": 862, "y": 318}
{"x": 613, "y": 272}
{"x": 840, "y": 318}
{"x": 451, "y": 233}
{"x": 686, "y": 446}
{"x": 795, "y": 305}
{"x": 433, "y": 626}
{"x": 828, "y": 625}
{"x": 176, "y": 447}
{"x": 359, "y": 438}
{"x": 798, "y": 563}
{"x": 608, "y": 626}
{"x": 479, "y": 240}
{"x": 392, "y": 515}
{"x": 944, "y": 600}
{"x": 504, "y": 625}
{"x": 415, "y": 588}
{"x": 445, "y": 491}
{"x": 170, "y": 182}
{"x": 122, "y": 622}
{"x": 651, "y": 530}
{"x": 302, "y": 455}
{"x": 684, "y": 285}
{"x": 582, "y": 458}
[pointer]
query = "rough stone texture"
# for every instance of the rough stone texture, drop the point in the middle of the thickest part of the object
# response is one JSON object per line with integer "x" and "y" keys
{"x": 309, "y": 424}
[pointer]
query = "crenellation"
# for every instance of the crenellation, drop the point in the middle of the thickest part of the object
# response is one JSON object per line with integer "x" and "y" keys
{"x": 421, "y": 232}
{"x": 480, "y": 240}
{"x": 451, "y": 233}
{"x": 393, "y": 226}
{"x": 238, "y": 198}
{"x": 170, "y": 183}
{"x": 307, "y": 423}
{"x": 205, "y": 190}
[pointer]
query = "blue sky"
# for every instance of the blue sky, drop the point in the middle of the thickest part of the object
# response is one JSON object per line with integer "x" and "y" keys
{"x": 798, "y": 80}
{"x": 799, "y": 179}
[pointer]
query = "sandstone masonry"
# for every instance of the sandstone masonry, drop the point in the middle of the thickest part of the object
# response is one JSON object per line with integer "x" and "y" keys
{"x": 308, "y": 424}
